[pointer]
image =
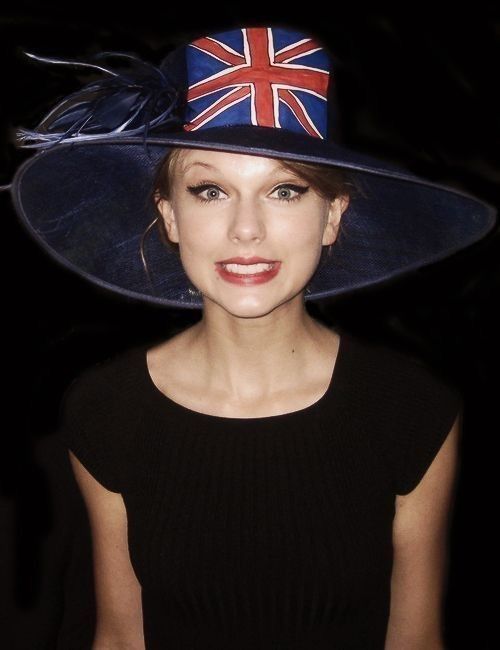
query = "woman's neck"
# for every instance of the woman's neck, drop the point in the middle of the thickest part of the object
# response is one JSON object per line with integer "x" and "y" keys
{"x": 253, "y": 357}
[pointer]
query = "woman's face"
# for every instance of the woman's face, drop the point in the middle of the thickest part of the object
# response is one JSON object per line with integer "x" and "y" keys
{"x": 227, "y": 205}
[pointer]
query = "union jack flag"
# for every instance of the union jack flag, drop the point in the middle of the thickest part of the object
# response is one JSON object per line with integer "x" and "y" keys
{"x": 258, "y": 76}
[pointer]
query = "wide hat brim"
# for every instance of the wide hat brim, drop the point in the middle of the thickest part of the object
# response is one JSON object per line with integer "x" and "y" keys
{"x": 87, "y": 203}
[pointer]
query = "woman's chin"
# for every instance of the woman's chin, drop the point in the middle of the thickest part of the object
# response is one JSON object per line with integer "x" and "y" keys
{"x": 251, "y": 305}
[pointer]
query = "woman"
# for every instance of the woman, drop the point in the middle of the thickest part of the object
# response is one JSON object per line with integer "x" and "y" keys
{"x": 258, "y": 480}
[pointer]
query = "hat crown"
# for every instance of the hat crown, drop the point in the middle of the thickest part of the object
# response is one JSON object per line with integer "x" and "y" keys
{"x": 258, "y": 76}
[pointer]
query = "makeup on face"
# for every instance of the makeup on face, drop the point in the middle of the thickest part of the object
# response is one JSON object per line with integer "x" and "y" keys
{"x": 248, "y": 271}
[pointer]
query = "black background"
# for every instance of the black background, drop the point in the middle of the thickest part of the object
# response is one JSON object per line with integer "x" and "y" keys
{"x": 415, "y": 86}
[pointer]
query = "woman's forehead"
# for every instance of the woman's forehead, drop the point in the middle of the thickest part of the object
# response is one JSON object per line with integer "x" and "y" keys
{"x": 226, "y": 161}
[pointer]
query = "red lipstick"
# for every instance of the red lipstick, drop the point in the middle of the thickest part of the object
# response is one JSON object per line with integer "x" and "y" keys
{"x": 231, "y": 270}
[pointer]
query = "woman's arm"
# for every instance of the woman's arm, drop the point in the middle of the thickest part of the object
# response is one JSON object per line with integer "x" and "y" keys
{"x": 420, "y": 541}
{"x": 118, "y": 592}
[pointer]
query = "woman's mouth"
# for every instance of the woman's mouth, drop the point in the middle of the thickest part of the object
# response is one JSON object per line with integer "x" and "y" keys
{"x": 248, "y": 274}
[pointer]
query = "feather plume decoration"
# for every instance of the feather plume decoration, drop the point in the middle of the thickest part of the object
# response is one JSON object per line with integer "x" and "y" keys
{"x": 123, "y": 103}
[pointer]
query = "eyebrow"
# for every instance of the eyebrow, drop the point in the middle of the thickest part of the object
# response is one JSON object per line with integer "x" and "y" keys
{"x": 276, "y": 170}
{"x": 201, "y": 164}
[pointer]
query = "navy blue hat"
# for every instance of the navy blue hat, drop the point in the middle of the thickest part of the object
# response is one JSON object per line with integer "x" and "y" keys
{"x": 85, "y": 196}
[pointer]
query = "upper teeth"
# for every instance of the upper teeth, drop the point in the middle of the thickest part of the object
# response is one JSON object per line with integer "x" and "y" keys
{"x": 248, "y": 268}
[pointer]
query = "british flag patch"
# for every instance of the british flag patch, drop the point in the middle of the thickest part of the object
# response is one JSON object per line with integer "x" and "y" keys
{"x": 259, "y": 76}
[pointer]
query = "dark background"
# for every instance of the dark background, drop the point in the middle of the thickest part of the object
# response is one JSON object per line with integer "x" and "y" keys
{"x": 416, "y": 87}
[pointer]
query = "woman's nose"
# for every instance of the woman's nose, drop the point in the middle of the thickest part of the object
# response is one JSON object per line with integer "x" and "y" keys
{"x": 247, "y": 221}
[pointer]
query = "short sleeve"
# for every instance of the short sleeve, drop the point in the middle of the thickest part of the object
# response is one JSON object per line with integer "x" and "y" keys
{"x": 419, "y": 406}
{"x": 88, "y": 425}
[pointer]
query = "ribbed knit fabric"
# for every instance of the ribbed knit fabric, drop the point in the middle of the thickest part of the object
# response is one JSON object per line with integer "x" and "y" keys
{"x": 268, "y": 533}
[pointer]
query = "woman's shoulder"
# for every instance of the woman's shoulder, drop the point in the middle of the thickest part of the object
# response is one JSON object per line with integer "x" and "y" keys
{"x": 405, "y": 403}
{"x": 389, "y": 364}
{"x": 109, "y": 378}
{"x": 99, "y": 414}
{"x": 114, "y": 364}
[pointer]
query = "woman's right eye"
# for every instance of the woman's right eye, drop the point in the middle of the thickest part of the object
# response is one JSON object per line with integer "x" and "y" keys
{"x": 212, "y": 192}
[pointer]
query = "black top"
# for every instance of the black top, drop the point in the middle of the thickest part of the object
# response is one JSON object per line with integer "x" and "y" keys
{"x": 269, "y": 532}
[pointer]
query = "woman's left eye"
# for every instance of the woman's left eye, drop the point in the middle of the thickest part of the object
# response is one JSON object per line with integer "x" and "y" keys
{"x": 290, "y": 192}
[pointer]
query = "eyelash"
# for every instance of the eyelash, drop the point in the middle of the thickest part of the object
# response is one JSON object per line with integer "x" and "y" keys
{"x": 196, "y": 190}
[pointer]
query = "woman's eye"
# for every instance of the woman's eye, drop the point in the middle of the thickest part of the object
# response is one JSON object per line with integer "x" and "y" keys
{"x": 205, "y": 192}
{"x": 290, "y": 192}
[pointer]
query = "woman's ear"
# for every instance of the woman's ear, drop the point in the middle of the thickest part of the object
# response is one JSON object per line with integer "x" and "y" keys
{"x": 335, "y": 210}
{"x": 166, "y": 211}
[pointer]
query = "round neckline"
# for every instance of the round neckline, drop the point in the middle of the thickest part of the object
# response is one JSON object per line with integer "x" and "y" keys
{"x": 162, "y": 397}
